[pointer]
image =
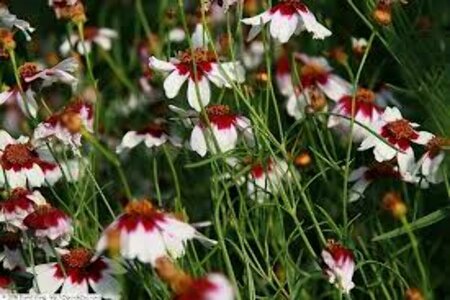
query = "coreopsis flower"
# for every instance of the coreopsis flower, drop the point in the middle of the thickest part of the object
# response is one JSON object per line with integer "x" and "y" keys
{"x": 146, "y": 233}
{"x": 66, "y": 126}
{"x": 339, "y": 266}
{"x": 20, "y": 204}
{"x": 225, "y": 129}
{"x": 213, "y": 286}
{"x": 31, "y": 73}
{"x": 288, "y": 17}
{"x": 365, "y": 175}
{"x": 432, "y": 159}
{"x": 102, "y": 37}
{"x": 264, "y": 177}
{"x": 49, "y": 223}
{"x": 79, "y": 273}
{"x": 308, "y": 100}
{"x": 10, "y": 21}
{"x": 198, "y": 67}
{"x": 154, "y": 135}
{"x": 11, "y": 253}
{"x": 397, "y": 134}
{"x": 362, "y": 108}
{"x": 316, "y": 71}
{"x": 22, "y": 166}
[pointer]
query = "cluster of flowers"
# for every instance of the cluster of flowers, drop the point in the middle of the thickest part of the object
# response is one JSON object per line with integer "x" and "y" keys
{"x": 143, "y": 232}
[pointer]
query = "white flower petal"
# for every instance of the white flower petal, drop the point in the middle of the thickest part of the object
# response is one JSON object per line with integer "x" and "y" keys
{"x": 130, "y": 140}
{"x": 45, "y": 280}
{"x": 283, "y": 27}
{"x": 310, "y": 22}
{"x": 74, "y": 288}
{"x": 335, "y": 88}
{"x": 198, "y": 142}
{"x": 204, "y": 91}
{"x": 173, "y": 83}
{"x": 160, "y": 65}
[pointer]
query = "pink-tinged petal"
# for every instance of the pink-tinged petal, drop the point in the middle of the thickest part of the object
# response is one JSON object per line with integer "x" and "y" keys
{"x": 328, "y": 259}
{"x": 16, "y": 178}
{"x": 5, "y": 139}
{"x": 357, "y": 190}
{"x": 406, "y": 161}
{"x": 313, "y": 26}
{"x": 173, "y": 83}
{"x": 314, "y": 60}
{"x": 226, "y": 138}
{"x": 391, "y": 114}
{"x": 424, "y": 138}
{"x": 160, "y": 65}
{"x": 283, "y": 27}
{"x": 7, "y": 96}
{"x": 384, "y": 152}
{"x": 198, "y": 142}
{"x": 357, "y": 174}
{"x": 296, "y": 105}
{"x": 130, "y": 140}
{"x": 222, "y": 288}
{"x": 74, "y": 288}
{"x": 107, "y": 286}
{"x": 46, "y": 281}
{"x": 335, "y": 87}
{"x": 204, "y": 91}
{"x": 35, "y": 176}
{"x": 175, "y": 235}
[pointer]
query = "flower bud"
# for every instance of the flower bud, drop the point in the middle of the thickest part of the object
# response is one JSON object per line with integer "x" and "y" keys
{"x": 7, "y": 42}
{"x": 393, "y": 203}
{"x": 413, "y": 294}
{"x": 303, "y": 160}
{"x": 383, "y": 13}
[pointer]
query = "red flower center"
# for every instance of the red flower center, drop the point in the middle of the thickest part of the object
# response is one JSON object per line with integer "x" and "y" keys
{"x": 259, "y": 169}
{"x": 364, "y": 103}
{"x": 78, "y": 266}
{"x": 380, "y": 170}
{"x": 90, "y": 33}
{"x": 399, "y": 133}
{"x": 220, "y": 116}
{"x": 289, "y": 7}
{"x": 202, "y": 59}
{"x": 140, "y": 212}
{"x": 18, "y": 199}
{"x": 44, "y": 217}
{"x": 312, "y": 74}
{"x": 28, "y": 70}
{"x": 18, "y": 155}
{"x": 338, "y": 252}
{"x": 5, "y": 281}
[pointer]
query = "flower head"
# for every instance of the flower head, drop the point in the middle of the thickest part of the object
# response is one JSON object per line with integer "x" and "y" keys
{"x": 288, "y": 17}
{"x": 225, "y": 127}
{"x": 362, "y": 108}
{"x": 146, "y": 233}
{"x": 48, "y": 222}
{"x": 67, "y": 125}
{"x": 22, "y": 165}
{"x": 199, "y": 67}
{"x": 79, "y": 272}
{"x": 339, "y": 266}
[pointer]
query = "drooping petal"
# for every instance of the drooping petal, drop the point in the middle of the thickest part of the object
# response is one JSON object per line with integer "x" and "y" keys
{"x": 160, "y": 65}
{"x": 357, "y": 190}
{"x": 198, "y": 141}
{"x": 283, "y": 27}
{"x": 204, "y": 91}
{"x": 406, "y": 160}
{"x": 130, "y": 140}
{"x": 45, "y": 278}
{"x": 173, "y": 83}
{"x": 35, "y": 176}
{"x": 335, "y": 88}
{"x": 313, "y": 26}
{"x": 226, "y": 138}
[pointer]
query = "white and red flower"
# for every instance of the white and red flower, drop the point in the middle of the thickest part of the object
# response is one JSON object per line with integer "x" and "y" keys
{"x": 78, "y": 272}
{"x": 287, "y": 18}
{"x": 432, "y": 159}
{"x": 9, "y": 20}
{"x": 66, "y": 125}
{"x": 365, "y": 175}
{"x": 339, "y": 266}
{"x": 225, "y": 129}
{"x": 198, "y": 67}
{"x": 48, "y": 222}
{"x": 316, "y": 71}
{"x": 304, "y": 101}
{"x": 102, "y": 37}
{"x": 211, "y": 287}
{"x": 19, "y": 205}
{"x": 11, "y": 255}
{"x": 154, "y": 135}
{"x": 362, "y": 108}
{"x": 265, "y": 178}
{"x": 22, "y": 166}
{"x": 30, "y": 73}
{"x": 397, "y": 135}
{"x": 146, "y": 233}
